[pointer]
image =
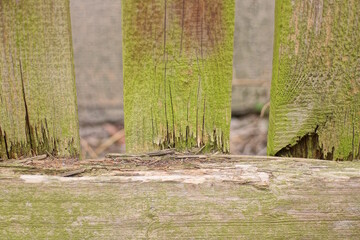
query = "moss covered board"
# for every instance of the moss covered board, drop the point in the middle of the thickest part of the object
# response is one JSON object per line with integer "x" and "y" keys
{"x": 315, "y": 95}
{"x": 173, "y": 197}
{"x": 177, "y": 73}
{"x": 38, "y": 112}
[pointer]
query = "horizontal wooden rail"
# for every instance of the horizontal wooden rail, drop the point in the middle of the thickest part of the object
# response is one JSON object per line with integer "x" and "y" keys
{"x": 180, "y": 196}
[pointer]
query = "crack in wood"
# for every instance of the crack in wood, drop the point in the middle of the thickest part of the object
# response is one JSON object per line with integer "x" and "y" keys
{"x": 203, "y": 122}
{"x": 27, "y": 118}
{"x": 173, "y": 116}
{"x": 165, "y": 62}
{"x": 197, "y": 101}
{"x": 6, "y": 146}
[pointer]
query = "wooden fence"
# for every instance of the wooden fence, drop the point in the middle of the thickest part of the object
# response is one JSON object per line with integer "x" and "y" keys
{"x": 177, "y": 96}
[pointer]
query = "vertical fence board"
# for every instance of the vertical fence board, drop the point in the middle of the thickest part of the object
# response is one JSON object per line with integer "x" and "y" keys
{"x": 315, "y": 95}
{"x": 38, "y": 112}
{"x": 177, "y": 73}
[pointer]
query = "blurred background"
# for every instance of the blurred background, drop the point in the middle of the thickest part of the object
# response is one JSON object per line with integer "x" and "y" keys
{"x": 96, "y": 28}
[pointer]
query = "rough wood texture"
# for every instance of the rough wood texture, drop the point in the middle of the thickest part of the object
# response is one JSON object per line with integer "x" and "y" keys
{"x": 177, "y": 73}
{"x": 38, "y": 112}
{"x": 212, "y": 197}
{"x": 315, "y": 94}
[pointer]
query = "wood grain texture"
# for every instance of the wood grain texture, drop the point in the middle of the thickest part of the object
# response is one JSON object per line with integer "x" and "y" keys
{"x": 38, "y": 112}
{"x": 315, "y": 95}
{"x": 177, "y": 73}
{"x": 217, "y": 197}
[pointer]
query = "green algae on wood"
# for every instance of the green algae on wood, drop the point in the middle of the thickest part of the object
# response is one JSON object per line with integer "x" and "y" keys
{"x": 38, "y": 111}
{"x": 315, "y": 94}
{"x": 212, "y": 198}
{"x": 177, "y": 73}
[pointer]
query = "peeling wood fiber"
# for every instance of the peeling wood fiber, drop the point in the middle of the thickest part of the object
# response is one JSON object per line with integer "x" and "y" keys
{"x": 38, "y": 112}
{"x": 177, "y": 73}
{"x": 315, "y": 93}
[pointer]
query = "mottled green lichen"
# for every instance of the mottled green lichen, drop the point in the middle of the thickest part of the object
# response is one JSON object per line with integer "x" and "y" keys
{"x": 316, "y": 80}
{"x": 38, "y": 112}
{"x": 177, "y": 74}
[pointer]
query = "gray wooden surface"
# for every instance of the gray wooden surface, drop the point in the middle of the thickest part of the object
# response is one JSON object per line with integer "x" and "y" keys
{"x": 174, "y": 197}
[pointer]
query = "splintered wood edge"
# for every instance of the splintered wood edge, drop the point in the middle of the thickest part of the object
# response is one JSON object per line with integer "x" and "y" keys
{"x": 118, "y": 163}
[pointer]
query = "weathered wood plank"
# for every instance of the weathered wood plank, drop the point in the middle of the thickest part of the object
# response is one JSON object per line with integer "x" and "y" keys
{"x": 219, "y": 197}
{"x": 38, "y": 112}
{"x": 315, "y": 93}
{"x": 177, "y": 73}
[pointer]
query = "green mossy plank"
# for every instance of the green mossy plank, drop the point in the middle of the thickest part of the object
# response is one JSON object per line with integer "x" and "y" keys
{"x": 237, "y": 198}
{"x": 177, "y": 73}
{"x": 315, "y": 93}
{"x": 38, "y": 111}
